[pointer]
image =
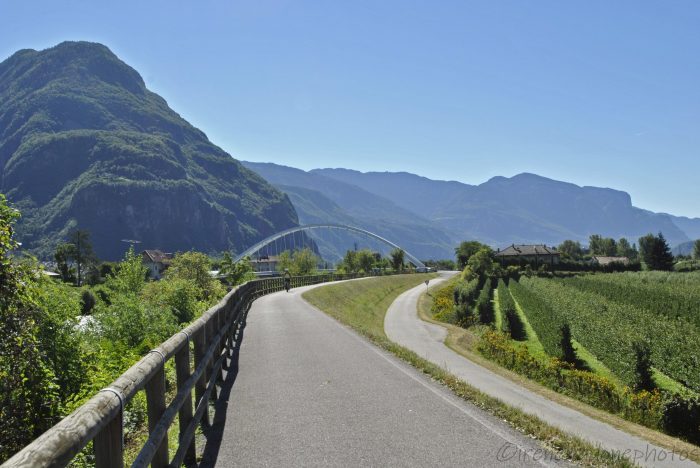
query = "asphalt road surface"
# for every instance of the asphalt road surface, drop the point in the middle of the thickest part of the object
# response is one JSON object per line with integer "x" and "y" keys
{"x": 403, "y": 326}
{"x": 311, "y": 392}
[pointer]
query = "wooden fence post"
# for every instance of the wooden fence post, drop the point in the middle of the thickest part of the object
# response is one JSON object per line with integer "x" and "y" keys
{"x": 200, "y": 349}
{"x": 108, "y": 444}
{"x": 182, "y": 370}
{"x": 155, "y": 398}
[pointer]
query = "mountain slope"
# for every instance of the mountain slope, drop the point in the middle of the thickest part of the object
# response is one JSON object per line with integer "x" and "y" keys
{"x": 84, "y": 144}
{"x": 526, "y": 208}
{"x": 322, "y": 199}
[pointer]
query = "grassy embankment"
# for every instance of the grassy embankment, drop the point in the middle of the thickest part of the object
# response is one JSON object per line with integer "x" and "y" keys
{"x": 363, "y": 304}
{"x": 465, "y": 341}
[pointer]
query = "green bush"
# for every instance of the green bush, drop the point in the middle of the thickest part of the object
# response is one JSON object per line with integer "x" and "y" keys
{"x": 484, "y": 306}
{"x": 464, "y": 295}
{"x": 511, "y": 321}
{"x": 643, "y": 407}
{"x": 543, "y": 319}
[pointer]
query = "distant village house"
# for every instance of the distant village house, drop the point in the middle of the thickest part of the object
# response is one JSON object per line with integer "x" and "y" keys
{"x": 535, "y": 255}
{"x": 156, "y": 262}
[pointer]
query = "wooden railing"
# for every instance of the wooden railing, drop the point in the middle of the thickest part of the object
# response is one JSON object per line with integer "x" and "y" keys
{"x": 100, "y": 420}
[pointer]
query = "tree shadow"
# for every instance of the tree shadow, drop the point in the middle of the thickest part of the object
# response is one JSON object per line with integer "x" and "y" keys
{"x": 214, "y": 433}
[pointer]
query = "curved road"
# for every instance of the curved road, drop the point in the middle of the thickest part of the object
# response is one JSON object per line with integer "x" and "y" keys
{"x": 311, "y": 392}
{"x": 403, "y": 326}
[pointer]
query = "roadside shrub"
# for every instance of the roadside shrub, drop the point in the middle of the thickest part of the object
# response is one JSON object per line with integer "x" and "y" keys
{"x": 646, "y": 408}
{"x": 682, "y": 418}
{"x": 464, "y": 296}
{"x": 87, "y": 302}
{"x": 178, "y": 296}
{"x": 511, "y": 321}
{"x": 484, "y": 306}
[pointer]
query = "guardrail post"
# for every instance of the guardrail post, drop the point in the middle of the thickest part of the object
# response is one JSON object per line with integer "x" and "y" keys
{"x": 182, "y": 370}
{"x": 155, "y": 398}
{"x": 221, "y": 345}
{"x": 211, "y": 334}
{"x": 200, "y": 349}
{"x": 108, "y": 445}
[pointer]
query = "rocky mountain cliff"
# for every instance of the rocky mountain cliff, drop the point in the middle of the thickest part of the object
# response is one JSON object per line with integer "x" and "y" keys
{"x": 84, "y": 143}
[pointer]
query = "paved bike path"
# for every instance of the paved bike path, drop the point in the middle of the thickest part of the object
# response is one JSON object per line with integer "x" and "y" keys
{"x": 403, "y": 326}
{"x": 311, "y": 392}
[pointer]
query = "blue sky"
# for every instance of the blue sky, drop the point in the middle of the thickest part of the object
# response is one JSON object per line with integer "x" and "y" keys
{"x": 603, "y": 93}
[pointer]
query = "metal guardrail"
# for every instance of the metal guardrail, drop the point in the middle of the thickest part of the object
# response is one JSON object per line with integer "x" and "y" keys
{"x": 100, "y": 420}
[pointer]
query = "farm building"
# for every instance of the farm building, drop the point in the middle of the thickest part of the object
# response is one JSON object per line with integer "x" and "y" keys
{"x": 535, "y": 255}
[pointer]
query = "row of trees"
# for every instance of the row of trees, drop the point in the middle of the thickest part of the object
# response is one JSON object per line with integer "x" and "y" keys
{"x": 367, "y": 261}
{"x": 599, "y": 246}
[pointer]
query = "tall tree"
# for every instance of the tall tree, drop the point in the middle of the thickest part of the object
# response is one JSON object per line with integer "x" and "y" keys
{"x": 299, "y": 263}
{"x": 655, "y": 252}
{"x": 465, "y": 250}
{"x": 600, "y": 245}
{"x": 63, "y": 257}
{"x": 595, "y": 242}
{"x": 366, "y": 260}
{"x": 624, "y": 249}
{"x": 349, "y": 263}
{"x": 481, "y": 263}
{"x": 696, "y": 250}
{"x": 305, "y": 262}
{"x": 397, "y": 259}
{"x": 81, "y": 253}
{"x": 571, "y": 249}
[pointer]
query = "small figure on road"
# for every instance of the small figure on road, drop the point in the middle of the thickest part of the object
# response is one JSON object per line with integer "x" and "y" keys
{"x": 287, "y": 279}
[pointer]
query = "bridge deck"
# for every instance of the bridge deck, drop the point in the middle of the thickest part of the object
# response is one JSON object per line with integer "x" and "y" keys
{"x": 310, "y": 392}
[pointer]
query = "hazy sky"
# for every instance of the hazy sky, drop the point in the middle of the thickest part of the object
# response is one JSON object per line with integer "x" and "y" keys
{"x": 602, "y": 93}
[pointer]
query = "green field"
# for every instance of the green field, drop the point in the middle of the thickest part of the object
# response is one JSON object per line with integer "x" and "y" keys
{"x": 609, "y": 313}
{"x": 612, "y": 318}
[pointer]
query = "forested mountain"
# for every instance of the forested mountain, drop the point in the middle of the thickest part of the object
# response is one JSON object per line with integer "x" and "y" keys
{"x": 319, "y": 199}
{"x": 84, "y": 144}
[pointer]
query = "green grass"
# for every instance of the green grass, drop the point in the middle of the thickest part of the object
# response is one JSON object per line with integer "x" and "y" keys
{"x": 362, "y": 305}
{"x": 593, "y": 364}
{"x": 536, "y": 350}
{"x": 532, "y": 343}
{"x": 664, "y": 382}
{"x": 497, "y": 316}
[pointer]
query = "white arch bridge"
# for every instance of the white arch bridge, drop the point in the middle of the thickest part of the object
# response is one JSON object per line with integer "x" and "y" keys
{"x": 309, "y": 227}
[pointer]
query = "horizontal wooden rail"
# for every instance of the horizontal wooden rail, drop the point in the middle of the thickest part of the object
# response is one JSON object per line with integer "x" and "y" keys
{"x": 100, "y": 419}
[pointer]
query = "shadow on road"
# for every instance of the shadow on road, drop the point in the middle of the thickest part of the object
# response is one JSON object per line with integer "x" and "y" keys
{"x": 213, "y": 435}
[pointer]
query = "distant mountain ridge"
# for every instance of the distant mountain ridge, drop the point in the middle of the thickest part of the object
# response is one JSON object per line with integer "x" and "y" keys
{"x": 319, "y": 199}
{"x": 522, "y": 209}
{"x": 525, "y": 208}
{"x": 84, "y": 143}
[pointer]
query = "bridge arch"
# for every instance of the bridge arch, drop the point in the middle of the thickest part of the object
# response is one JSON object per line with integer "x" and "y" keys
{"x": 308, "y": 227}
